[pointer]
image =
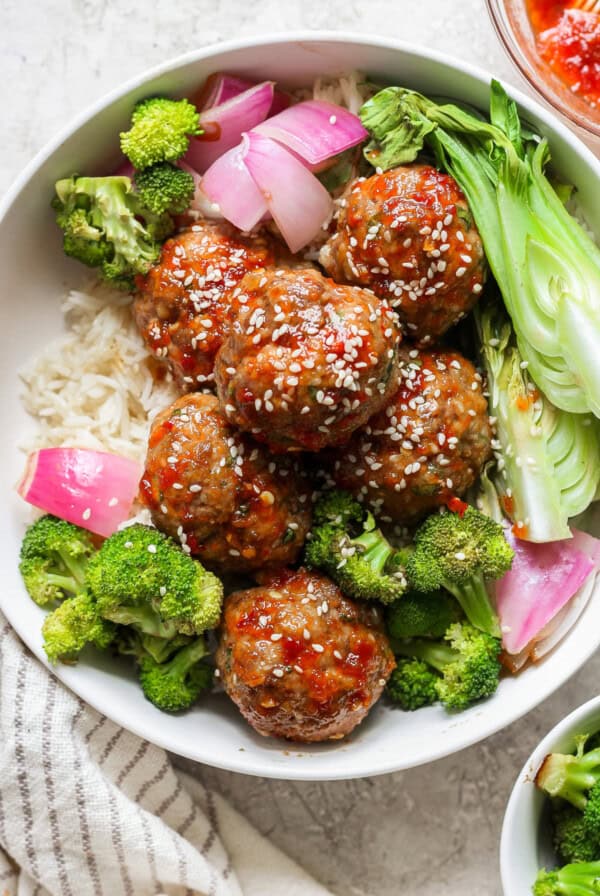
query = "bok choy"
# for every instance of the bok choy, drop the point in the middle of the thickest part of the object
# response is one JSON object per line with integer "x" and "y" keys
{"x": 546, "y": 266}
{"x": 548, "y": 461}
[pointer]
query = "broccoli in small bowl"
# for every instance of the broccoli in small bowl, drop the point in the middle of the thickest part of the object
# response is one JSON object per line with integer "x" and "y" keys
{"x": 551, "y": 833}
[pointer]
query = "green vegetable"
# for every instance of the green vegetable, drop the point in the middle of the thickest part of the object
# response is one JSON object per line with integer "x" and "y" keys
{"x": 547, "y": 267}
{"x": 549, "y": 465}
{"x": 413, "y": 684}
{"x": 422, "y": 615}
{"x": 160, "y": 131}
{"x": 174, "y": 685}
{"x": 572, "y": 841}
{"x": 140, "y": 577}
{"x": 130, "y": 641}
{"x": 591, "y": 813}
{"x": 571, "y": 776}
{"x": 54, "y": 555}
{"x": 106, "y": 226}
{"x": 467, "y": 660}
{"x": 346, "y": 544}
{"x": 578, "y": 879}
{"x": 165, "y": 188}
{"x": 459, "y": 552}
{"x": 338, "y": 507}
{"x": 73, "y": 624}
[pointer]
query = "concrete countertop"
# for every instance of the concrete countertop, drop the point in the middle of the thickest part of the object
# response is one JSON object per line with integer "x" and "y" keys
{"x": 429, "y": 831}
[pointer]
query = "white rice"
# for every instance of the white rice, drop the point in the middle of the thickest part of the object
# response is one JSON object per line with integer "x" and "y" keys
{"x": 350, "y": 90}
{"x": 94, "y": 388}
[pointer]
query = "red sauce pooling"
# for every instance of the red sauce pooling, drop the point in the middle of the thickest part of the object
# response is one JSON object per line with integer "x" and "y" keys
{"x": 569, "y": 41}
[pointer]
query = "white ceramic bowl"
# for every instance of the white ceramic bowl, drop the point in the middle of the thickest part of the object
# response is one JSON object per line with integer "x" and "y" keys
{"x": 35, "y": 273}
{"x": 526, "y": 844}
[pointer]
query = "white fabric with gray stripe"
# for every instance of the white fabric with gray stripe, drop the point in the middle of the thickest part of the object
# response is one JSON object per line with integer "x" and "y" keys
{"x": 88, "y": 808}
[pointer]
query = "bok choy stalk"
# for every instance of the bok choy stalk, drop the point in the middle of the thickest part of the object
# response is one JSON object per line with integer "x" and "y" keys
{"x": 546, "y": 266}
{"x": 548, "y": 461}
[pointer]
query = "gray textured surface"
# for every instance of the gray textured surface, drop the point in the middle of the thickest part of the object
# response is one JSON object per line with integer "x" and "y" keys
{"x": 428, "y": 831}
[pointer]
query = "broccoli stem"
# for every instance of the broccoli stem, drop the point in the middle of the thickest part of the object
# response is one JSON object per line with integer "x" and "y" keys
{"x": 433, "y": 653}
{"x": 75, "y": 567}
{"x": 66, "y": 583}
{"x": 577, "y": 879}
{"x": 476, "y": 604}
{"x": 144, "y": 619}
{"x": 187, "y": 657}
{"x": 570, "y": 777}
{"x": 376, "y": 549}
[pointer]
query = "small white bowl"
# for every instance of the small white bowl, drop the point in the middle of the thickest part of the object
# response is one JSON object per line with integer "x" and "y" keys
{"x": 526, "y": 844}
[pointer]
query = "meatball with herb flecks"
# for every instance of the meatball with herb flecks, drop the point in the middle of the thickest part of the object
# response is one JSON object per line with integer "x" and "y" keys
{"x": 299, "y": 659}
{"x": 427, "y": 446}
{"x": 307, "y": 361}
{"x": 184, "y": 304}
{"x": 227, "y": 501}
{"x": 409, "y": 235}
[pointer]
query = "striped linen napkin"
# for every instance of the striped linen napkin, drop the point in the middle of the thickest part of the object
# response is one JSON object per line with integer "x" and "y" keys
{"x": 88, "y": 809}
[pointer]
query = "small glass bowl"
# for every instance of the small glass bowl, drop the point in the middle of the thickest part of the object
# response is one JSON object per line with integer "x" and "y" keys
{"x": 511, "y": 22}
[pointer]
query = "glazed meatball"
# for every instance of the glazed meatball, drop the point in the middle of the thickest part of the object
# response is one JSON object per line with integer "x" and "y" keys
{"x": 427, "y": 446}
{"x": 307, "y": 361}
{"x": 184, "y": 305}
{"x": 300, "y": 660}
{"x": 408, "y": 234}
{"x": 229, "y": 503}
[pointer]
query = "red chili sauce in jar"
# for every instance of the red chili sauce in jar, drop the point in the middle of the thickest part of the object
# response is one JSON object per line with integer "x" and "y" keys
{"x": 568, "y": 40}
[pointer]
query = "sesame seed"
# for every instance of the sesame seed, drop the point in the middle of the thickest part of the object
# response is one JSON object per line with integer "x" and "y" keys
{"x": 86, "y": 513}
{"x": 318, "y": 648}
{"x": 460, "y": 555}
{"x": 152, "y": 549}
{"x": 277, "y": 636}
{"x": 278, "y": 673}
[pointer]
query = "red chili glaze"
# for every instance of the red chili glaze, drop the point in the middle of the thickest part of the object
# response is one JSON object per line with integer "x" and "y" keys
{"x": 301, "y": 660}
{"x": 408, "y": 235}
{"x": 185, "y": 302}
{"x": 225, "y": 498}
{"x": 427, "y": 447}
{"x": 569, "y": 41}
{"x": 306, "y": 361}
{"x": 455, "y": 505}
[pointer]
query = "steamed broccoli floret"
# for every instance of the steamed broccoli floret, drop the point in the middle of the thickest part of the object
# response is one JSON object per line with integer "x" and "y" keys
{"x": 142, "y": 578}
{"x": 160, "y": 131}
{"x": 177, "y": 683}
{"x": 106, "y": 226}
{"x": 54, "y": 555}
{"x": 165, "y": 188}
{"x": 572, "y": 841}
{"x": 71, "y": 626}
{"x": 413, "y": 684}
{"x": 359, "y": 563}
{"x": 571, "y": 776}
{"x": 426, "y": 614}
{"x": 467, "y": 660}
{"x": 459, "y": 552}
{"x": 338, "y": 507}
{"x": 578, "y": 879}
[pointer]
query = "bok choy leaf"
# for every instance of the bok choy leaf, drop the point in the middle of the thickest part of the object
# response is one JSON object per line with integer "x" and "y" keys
{"x": 548, "y": 460}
